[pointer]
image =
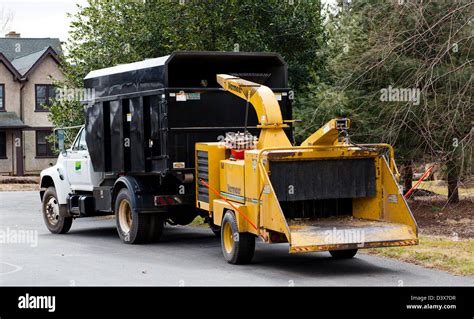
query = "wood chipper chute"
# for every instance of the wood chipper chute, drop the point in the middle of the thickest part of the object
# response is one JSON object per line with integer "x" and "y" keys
{"x": 326, "y": 194}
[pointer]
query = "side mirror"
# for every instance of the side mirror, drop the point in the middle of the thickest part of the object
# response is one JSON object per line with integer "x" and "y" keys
{"x": 61, "y": 147}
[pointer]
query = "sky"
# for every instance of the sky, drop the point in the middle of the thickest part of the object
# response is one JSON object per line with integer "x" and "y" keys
{"x": 40, "y": 18}
{"x": 45, "y": 18}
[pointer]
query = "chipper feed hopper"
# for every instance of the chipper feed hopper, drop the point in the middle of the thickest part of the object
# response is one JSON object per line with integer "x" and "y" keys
{"x": 326, "y": 194}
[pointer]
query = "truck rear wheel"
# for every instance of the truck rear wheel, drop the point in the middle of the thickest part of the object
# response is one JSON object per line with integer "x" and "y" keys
{"x": 132, "y": 227}
{"x": 343, "y": 254}
{"x": 237, "y": 248}
{"x": 53, "y": 220}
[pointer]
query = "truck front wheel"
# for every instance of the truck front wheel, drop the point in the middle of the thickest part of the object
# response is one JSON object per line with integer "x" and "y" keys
{"x": 55, "y": 223}
{"x": 237, "y": 248}
{"x": 132, "y": 227}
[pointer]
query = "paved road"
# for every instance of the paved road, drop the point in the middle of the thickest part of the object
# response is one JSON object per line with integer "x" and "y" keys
{"x": 92, "y": 254}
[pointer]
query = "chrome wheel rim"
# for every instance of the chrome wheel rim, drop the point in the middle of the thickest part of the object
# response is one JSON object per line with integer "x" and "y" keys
{"x": 52, "y": 211}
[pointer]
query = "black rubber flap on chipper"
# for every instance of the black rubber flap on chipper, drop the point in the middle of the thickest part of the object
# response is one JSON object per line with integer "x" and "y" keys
{"x": 323, "y": 179}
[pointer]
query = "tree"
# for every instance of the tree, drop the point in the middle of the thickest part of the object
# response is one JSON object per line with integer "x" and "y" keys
{"x": 106, "y": 33}
{"x": 377, "y": 51}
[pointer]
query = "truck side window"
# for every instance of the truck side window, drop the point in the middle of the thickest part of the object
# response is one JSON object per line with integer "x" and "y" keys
{"x": 82, "y": 141}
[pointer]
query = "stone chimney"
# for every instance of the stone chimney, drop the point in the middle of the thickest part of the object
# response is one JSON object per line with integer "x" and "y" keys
{"x": 12, "y": 34}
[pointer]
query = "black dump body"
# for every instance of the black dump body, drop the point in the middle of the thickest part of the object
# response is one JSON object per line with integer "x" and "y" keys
{"x": 138, "y": 122}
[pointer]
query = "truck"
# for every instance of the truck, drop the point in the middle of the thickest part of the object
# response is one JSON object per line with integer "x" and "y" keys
{"x": 210, "y": 134}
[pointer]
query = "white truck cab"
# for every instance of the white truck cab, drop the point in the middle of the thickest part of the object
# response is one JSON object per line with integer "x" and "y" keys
{"x": 72, "y": 174}
{"x": 73, "y": 189}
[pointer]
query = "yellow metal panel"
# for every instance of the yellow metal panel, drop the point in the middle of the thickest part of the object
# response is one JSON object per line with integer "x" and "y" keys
{"x": 232, "y": 180}
{"x": 220, "y": 206}
{"x": 271, "y": 215}
{"x": 328, "y": 134}
{"x": 395, "y": 208}
{"x": 346, "y": 230}
{"x": 252, "y": 182}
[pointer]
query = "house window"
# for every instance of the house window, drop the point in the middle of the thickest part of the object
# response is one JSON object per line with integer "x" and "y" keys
{"x": 3, "y": 145}
{"x": 2, "y": 97}
{"x": 43, "y": 147}
{"x": 45, "y": 93}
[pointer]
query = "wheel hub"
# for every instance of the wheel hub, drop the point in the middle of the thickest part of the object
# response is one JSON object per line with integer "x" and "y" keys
{"x": 125, "y": 216}
{"x": 228, "y": 238}
{"x": 52, "y": 211}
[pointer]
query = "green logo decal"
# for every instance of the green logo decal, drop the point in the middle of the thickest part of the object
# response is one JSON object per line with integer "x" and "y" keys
{"x": 77, "y": 165}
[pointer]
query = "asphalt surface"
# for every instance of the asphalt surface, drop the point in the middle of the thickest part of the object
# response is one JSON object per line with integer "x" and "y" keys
{"x": 91, "y": 254}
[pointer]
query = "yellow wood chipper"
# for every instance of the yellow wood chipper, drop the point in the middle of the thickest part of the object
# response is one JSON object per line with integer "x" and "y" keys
{"x": 327, "y": 194}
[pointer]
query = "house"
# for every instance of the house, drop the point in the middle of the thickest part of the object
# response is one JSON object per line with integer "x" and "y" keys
{"x": 27, "y": 67}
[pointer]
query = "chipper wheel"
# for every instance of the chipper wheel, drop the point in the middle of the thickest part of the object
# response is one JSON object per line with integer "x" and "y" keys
{"x": 132, "y": 227}
{"x": 343, "y": 254}
{"x": 237, "y": 248}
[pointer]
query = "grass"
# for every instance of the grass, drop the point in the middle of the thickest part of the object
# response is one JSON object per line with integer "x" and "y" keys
{"x": 198, "y": 221}
{"x": 441, "y": 189}
{"x": 454, "y": 256}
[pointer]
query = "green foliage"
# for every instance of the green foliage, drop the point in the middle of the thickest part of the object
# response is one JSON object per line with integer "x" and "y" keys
{"x": 427, "y": 46}
{"x": 337, "y": 66}
{"x": 107, "y": 33}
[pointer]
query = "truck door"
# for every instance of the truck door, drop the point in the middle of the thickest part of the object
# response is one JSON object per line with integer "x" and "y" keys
{"x": 80, "y": 173}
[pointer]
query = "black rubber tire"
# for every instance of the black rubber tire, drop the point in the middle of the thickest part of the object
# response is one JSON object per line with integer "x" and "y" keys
{"x": 64, "y": 223}
{"x": 343, "y": 254}
{"x": 139, "y": 232}
{"x": 243, "y": 244}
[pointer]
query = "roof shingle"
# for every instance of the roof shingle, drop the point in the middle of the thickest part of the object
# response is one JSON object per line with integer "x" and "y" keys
{"x": 14, "y": 48}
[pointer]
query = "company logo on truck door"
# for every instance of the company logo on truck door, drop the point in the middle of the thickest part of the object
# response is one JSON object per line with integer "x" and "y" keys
{"x": 77, "y": 166}
{"x": 233, "y": 189}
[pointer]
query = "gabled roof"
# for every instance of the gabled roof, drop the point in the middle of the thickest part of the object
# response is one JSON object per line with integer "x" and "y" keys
{"x": 22, "y": 55}
{"x": 9, "y": 66}
{"x": 14, "y": 48}
{"x": 26, "y": 64}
